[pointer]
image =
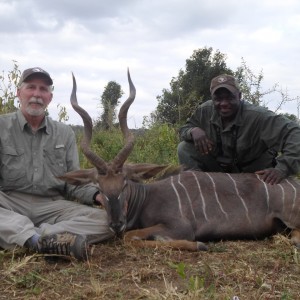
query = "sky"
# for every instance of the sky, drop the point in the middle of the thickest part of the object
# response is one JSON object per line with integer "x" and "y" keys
{"x": 98, "y": 40}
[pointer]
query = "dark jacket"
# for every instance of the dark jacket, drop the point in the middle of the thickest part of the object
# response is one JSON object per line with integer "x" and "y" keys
{"x": 253, "y": 131}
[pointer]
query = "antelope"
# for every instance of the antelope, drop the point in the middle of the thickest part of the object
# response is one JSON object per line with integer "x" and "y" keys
{"x": 184, "y": 210}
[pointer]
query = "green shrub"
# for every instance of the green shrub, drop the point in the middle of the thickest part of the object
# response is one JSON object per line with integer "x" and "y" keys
{"x": 156, "y": 145}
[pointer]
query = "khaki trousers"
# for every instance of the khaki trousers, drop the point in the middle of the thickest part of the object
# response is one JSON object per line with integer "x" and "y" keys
{"x": 23, "y": 215}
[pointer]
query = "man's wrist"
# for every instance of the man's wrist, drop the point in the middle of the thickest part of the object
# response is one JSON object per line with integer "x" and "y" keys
{"x": 94, "y": 198}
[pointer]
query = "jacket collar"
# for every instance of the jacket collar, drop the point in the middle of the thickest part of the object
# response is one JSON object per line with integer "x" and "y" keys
{"x": 236, "y": 122}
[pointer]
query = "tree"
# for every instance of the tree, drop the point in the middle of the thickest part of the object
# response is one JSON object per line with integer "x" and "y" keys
{"x": 8, "y": 89}
{"x": 252, "y": 90}
{"x": 62, "y": 114}
{"x": 291, "y": 117}
{"x": 251, "y": 84}
{"x": 109, "y": 100}
{"x": 191, "y": 86}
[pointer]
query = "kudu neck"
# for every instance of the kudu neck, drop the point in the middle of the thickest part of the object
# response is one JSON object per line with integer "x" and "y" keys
{"x": 136, "y": 195}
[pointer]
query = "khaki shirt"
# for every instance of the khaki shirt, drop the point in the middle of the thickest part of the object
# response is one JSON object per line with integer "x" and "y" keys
{"x": 257, "y": 130}
{"x": 30, "y": 162}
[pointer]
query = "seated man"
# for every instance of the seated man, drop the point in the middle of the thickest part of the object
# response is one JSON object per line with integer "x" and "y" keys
{"x": 227, "y": 134}
{"x": 35, "y": 207}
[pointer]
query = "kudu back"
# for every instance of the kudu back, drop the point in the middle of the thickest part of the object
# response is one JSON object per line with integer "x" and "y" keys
{"x": 187, "y": 209}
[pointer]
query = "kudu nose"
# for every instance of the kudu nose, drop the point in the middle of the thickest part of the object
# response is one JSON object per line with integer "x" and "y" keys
{"x": 117, "y": 227}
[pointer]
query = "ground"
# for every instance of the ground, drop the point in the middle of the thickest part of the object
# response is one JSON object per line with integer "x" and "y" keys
{"x": 267, "y": 269}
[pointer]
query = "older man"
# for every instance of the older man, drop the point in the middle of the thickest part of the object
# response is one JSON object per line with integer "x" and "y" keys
{"x": 35, "y": 210}
{"x": 227, "y": 134}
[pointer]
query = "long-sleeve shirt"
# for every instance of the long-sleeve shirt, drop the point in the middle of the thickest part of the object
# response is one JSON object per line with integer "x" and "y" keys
{"x": 30, "y": 162}
{"x": 257, "y": 130}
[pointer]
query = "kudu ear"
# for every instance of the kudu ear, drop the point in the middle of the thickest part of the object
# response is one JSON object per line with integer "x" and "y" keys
{"x": 138, "y": 172}
{"x": 80, "y": 177}
{"x": 170, "y": 170}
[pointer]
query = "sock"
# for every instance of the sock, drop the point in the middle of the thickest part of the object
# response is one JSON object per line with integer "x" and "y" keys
{"x": 32, "y": 241}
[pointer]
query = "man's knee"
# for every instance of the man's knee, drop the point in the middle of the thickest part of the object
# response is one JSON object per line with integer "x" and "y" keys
{"x": 188, "y": 156}
{"x": 185, "y": 150}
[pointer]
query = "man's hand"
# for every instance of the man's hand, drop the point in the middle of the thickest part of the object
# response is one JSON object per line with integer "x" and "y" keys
{"x": 99, "y": 200}
{"x": 271, "y": 176}
{"x": 202, "y": 143}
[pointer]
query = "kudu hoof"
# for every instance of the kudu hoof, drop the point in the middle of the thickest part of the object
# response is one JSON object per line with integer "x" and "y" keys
{"x": 201, "y": 246}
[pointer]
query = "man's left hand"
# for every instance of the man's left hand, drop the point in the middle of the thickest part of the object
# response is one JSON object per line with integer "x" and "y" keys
{"x": 271, "y": 176}
{"x": 99, "y": 200}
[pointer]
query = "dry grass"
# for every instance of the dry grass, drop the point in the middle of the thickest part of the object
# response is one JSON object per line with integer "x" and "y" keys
{"x": 268, "y": 269}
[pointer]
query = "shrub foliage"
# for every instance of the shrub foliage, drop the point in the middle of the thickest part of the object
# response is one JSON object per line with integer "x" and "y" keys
{"x": 155, "y": 145}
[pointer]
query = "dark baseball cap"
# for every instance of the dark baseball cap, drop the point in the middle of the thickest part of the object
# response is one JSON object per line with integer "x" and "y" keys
{"x": 224, "y": 81}
{"x": 32, "y": 71}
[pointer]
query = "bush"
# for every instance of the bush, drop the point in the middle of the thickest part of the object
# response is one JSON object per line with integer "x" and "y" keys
{"x": 156, "y": 145}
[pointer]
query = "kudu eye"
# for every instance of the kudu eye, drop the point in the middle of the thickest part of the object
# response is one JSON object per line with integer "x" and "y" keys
{"x": 119, "y": 171}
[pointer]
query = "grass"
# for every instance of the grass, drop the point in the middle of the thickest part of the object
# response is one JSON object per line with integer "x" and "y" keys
{"x": 267, "y": 269}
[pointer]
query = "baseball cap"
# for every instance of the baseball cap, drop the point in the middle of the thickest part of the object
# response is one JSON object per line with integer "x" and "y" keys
{"x": 36, "y": 70}
{"x": 226, "y": 81}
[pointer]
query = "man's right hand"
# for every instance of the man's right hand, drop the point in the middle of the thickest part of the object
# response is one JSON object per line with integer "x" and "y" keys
{"x": 202, "y": 143}
{"x": 271, "y": 175}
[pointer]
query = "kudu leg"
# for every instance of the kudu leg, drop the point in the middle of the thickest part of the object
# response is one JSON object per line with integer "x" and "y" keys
{"x": 295, "y": 237}
{"x": 139, "y": 238}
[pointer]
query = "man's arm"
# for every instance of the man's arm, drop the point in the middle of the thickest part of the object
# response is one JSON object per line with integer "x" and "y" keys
{"x": 284, "y": 136}
{"x": 195, "y": 130}
{"x": 84, "y": 194}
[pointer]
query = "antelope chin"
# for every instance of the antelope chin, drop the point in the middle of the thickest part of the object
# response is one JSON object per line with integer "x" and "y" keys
{"x": 118, "y": 230}
{"x": 123, "y": 228}
{"x": 112, "y": 230}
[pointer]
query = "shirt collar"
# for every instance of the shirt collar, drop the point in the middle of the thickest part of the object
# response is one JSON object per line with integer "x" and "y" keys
{"x": 23, "y": 122}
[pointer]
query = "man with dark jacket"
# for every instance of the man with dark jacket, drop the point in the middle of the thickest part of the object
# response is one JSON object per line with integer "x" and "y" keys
{"x": 227, "y": 134}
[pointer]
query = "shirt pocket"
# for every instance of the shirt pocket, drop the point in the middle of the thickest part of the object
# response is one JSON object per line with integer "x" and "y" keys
{"x": 55, "y": 159}
{"x": 13, "y": 166}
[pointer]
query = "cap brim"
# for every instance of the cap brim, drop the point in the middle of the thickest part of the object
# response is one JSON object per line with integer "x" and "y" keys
{"x": 42, "y": 75}
{"x": 230, "y": 88}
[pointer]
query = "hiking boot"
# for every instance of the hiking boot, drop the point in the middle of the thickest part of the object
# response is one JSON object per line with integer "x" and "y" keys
{"x": 66, "y": 244}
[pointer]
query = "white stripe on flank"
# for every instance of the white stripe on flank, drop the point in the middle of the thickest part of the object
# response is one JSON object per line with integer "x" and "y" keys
{"x": 188, "y": 196}
{"x": 240, "y": 197}
{"x": 202, "y": 198}
{"x": 216, "y": 195}
{"x": 282, "y": 195}
{"x": 178, "y": 198}
{"x": 294, "y": 199}
{"x": 267, "y": 191}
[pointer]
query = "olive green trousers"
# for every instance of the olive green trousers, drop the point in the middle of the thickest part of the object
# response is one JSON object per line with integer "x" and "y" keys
{"x": 191, "y": 159}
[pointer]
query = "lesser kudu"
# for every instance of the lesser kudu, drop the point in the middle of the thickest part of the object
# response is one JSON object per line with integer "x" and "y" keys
{"x": 184, "y": 210}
